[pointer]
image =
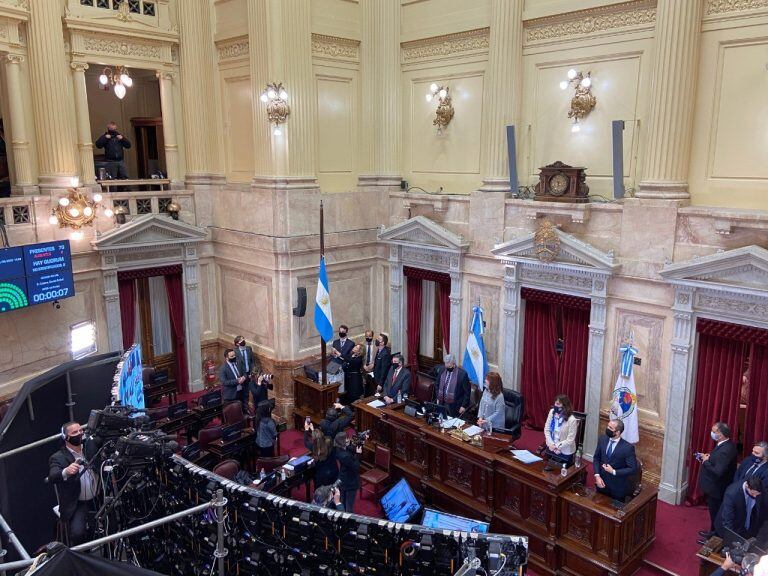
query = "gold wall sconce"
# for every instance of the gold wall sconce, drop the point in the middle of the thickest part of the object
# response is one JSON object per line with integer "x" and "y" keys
{"x": 444, "y": 112}
{"x": 583, "y": 101}
{"x": 76, "y": 210}
{"x": 275, "y": 97}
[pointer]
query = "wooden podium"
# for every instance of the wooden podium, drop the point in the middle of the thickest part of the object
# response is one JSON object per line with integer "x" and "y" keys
{"x": 570, "y": 530}
{"x": 311, "y": 399}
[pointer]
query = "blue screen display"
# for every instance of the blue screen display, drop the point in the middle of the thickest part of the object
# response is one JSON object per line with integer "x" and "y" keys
{"x": 399, "y": 503}
{"x": 34, "y": 274}
{"x": 130, "y": 384}
{"x": 442, "y": 521}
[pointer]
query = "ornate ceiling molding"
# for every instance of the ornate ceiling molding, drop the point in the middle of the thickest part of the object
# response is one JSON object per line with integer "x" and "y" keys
{"x": 335, "y": 47}
{"x": 714, "y": 7}
{"x": 233, "y": 48}
{"x": 594, "y": 20}
{"x": 447, "y": 45}
{"x": 126, "y": 49}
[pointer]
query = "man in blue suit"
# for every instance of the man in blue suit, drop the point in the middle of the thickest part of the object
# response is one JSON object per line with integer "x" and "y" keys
{"x": 615, "y": 463}
{"x": 743, "y": 510}
{"x": 398, "y": 380}
{"x": 754, "y": 465}
{"x": 341, "y": 348}
{"x": 232, "y": 379}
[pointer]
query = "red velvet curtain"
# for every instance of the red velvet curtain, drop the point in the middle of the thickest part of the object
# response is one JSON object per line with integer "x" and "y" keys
{"x": 572, "y": 363}
{"x": 444, "y": 303}
{"x": 720, "y": 366}
{"x": 414, "y": 327}
{"x": 539, "y": 370}
{"x": 175, "y": 289}
{"x": 127, "y": 295}
{"x": 757, "y": 405}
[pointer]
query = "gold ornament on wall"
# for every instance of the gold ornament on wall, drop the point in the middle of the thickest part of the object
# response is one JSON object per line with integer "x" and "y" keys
{"x": 546, "y": 242}
{"x": 275, "y": 97}
{"x": 444, "y": 112}
{"x": 583, "y": 101}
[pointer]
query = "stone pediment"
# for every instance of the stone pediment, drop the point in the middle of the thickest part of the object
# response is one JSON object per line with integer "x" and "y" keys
{"x": 572, "y": 253}
{"x": 150, "y": 231}
{"x": 745, "y": 267}
{"x": 423, "y": 232}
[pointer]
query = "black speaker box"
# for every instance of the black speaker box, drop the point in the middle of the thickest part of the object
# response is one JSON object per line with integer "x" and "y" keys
{"x": 301, "y": 302}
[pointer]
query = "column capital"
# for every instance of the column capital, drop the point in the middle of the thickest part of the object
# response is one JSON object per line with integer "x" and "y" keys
{"x": 165, "y": 75}
{"x": 14, "y": 58}
{"x": 79, "y": 66}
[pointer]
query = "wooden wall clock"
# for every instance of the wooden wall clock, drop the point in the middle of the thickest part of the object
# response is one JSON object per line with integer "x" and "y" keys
{"x": 560, "y": 182}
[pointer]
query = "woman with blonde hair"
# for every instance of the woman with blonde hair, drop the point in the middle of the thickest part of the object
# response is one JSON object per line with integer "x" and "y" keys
{"x": 492, "y": 402}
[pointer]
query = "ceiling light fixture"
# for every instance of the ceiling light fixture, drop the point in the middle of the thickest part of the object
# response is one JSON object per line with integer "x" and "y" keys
{"x": 118, "y": 79}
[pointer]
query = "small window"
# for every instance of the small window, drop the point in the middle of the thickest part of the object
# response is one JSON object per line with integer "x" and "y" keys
{"x": 122, "y": 202}
{"x": 144, "y": 206}
{"x": 149, "y": 9}
{"x": 82, "y": 339}
{"x": 21, "y": 214}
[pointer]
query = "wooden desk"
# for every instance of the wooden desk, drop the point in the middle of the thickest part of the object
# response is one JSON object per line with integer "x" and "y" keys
{"x": 567, "y": 533}
{"x": 183, "y": 422}
{"x": 221, "y": 449}
{"x": 710, "y": 558}
{"x": 311, "y": 399}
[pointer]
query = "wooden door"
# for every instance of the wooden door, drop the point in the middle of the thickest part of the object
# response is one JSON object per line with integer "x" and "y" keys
{"x": 150, "y": 147}
{"x": 156, "y": 351}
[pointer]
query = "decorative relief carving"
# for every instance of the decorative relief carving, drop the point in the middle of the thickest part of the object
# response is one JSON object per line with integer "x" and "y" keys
{"x": 512, "y": 495}
{"x": 601, "y": 19}
{"x": 579, "y": 524}
{"x": 400, "y": 445}
{"x": 683, "y": 298}
{"x": 424, "y": 256}
{"x": 231, "y": 49}
{"x": 335, "y": 47}
{"x": 447, "y": 45}
{"x": 149, "y": 255}
{"x": 757, "y": 309}
{"x": 723, "y": 6}
{"x": 539, "y": 506}
{"x": 582, "y": 283}
{"x": 459, "y": 471}
{"x": 122, "y": 46}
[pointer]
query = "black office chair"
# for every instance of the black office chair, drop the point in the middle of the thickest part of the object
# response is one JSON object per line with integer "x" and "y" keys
{"x": 582, "y": 418}
{"x": 514, "y": 407}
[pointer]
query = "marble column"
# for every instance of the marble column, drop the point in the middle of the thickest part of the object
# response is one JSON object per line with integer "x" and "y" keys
{"x": 18, "y": 124}
{"x": 596, "y": 348}
{"x": 510, "y": 363}
{"x": 381, "y": 83}
{"x": 368, "y": 90}
{"x": 111, "y": 296}
{"x": 668, "y": 141}
{"x": 84, "y": 143}
{"x": 192, "y": 318}
{"x": 50, "y": 98}
{"x": 502, "y": 91}
{"x": 455, "y": 300}
{"x": 169, "y": 125}
{"x": 396, "y": 300}
{"x": 674, "y": 471}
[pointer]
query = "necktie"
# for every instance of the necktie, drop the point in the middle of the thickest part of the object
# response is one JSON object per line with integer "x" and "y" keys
{"x": 750, "y": 471}
{"x": 609, "y": 452}
{"x": 245, "y": 358}
{"x": 750, "y": 506}
{"x": 368, "y": 355}
{"x": 235, "y": 370}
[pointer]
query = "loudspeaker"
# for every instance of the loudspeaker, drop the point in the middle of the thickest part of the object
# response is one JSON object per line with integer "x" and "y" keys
{"x": 301, "y": 302}
{"x": 512, "y": 157}
{"x": 617, "y": 128}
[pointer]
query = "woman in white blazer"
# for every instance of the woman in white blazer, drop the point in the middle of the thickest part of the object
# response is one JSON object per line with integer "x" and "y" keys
{"x": 560, "y": 431}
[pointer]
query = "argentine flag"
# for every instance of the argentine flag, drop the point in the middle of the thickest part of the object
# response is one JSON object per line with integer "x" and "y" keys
{"x": 323, "y": 316}
{"x": 475, "y": 362}
{"x": 624, "y": 404}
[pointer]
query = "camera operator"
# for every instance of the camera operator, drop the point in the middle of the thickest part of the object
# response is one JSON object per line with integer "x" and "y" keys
{"x": 258, "y": 387}
{"x": 113, "y": 143}
{"x": 336, "y": 419}
{"x": 752, "y": 565}
{"x": 324, "y": 454}
{"x": 77, "y": 484}
{"x": 348, "y": 455}
{"x": 328, "y": 497}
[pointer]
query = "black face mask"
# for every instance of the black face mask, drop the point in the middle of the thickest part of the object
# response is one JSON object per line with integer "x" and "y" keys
{"x": 112, "y": 132}
{"x": 232, "y": 360}
{"x": 449, "y": 368}
{"x": 75, "y": 440}
{"x": 342, "y": 334}
{"x": 378, "y": 343}
{"x": 396, "y": 365}
{"x": 557, "y": 409}
{"x": 369, "y": 340}
{"x": 241, "y": 343}
{"x": 610, "y": 433}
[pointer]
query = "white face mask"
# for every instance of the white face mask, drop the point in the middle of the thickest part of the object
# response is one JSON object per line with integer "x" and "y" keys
{"x": 713, "y": 435}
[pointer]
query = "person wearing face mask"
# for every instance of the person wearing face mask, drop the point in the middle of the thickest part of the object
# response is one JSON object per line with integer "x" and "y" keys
{"x": 755, "y": 464}
{"x": 232, "y": 379}
{"x": 743, "y": 510}
{"x": 398, "y": 380}
{"x": 717, "y": 470}
{"x": 77, "y": 484}
{"x": 114, "y": 143}
{"x": 369, "y": 349}
{"x": 560, "y": 431}
{"x": 615, "y": 463}
{"x": 353, "y": 376}
{"x": 246, "y": 360}
{"x": 383, "y": 360}
{"x": 341, "y": 348}
{"x": 452, "y": 387}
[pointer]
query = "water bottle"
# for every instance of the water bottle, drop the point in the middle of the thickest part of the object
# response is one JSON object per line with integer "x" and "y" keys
{"x": 282, "y": 474}
{"x": 399, "y": 397}
{"x": 577, "y": 460}
{"x": 262, "y": 474}
{"x": 564, "y": 471}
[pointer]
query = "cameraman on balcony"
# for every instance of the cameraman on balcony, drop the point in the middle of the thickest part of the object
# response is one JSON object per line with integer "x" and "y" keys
{"x": 348, "y": 454}
{"x": 113, "y": 143}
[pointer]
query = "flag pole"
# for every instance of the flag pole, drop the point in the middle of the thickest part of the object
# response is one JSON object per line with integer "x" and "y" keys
{"x": 323, "y": 351}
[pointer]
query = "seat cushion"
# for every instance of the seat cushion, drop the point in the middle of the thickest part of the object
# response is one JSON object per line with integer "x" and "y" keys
{"x": 375, "y": 476}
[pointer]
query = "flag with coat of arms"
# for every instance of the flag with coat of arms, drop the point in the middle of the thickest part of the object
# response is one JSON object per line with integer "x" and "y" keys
{"x": 624, "y": 404}
{"x": 475, "y": 362}
{"x": 323, "y": 315}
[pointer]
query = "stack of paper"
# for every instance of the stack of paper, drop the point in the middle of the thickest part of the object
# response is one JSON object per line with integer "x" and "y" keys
{"x": 376, "y": 404}
{"x": 473, "y": 431}
{"x": 452, "y": 423}
{"x": 525, "y": 456}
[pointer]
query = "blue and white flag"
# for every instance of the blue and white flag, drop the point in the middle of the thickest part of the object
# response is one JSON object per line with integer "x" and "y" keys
{"x": 475, "y": 362}
{"x": 624, "y": 405}
{"x": 323, "y": 316}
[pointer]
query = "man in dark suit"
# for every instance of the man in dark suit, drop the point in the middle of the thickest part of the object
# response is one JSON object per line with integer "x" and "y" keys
{"x": 614, "y": 463}
{"x": 452, "y": 387}
{"x": 232, "y": 379}
{"x": 383, "y": 360}
{"x": 717, "y": 470}
{"x": 754, "y": 465}
{"x": 341, "y": 348}
{"x": 77, "y": 485}
{"x": 246, "y": 360}
{"x": 398, "y": 380}
{"x": 743, "y": 510}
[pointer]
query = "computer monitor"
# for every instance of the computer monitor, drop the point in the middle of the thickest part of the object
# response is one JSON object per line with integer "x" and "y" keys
{"x": 231, "y": 431}
{"x": 176, "y": 410}
{"x": 210, "y": 399}
{"x": 442, "y": 521}
{"x": 399, "y": 503}
{"x": 436, "y": 409}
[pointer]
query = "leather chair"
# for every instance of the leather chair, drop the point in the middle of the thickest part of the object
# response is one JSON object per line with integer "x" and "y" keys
{"x": 514, "y": 407}
{"x": 638, "y": 478}
{"x": 208, "y": 435}
{"x": 227, "y": 469}
{"x": 270, "y": 464}
{"x": 425, "y": 389}
{"x": 582, "y": 418}
{"x": 146, "y": 375}
{"x": 378, "y": 476}
{"x": 232, "y": 412}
